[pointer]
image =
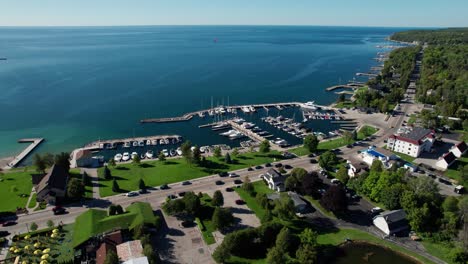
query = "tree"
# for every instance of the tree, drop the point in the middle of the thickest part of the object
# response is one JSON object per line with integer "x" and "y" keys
{"x": 111, "y": 257}
{"x": 463, "y": 212}
{"x": 142, "y": 185}
{"x": 262, "y": 200}
{"x": 161, "y": 156}
{"x": 107, "y": 173}
{"x": 342, "y": 175}
{"x": 291, "y": 183}
{"x": 334, "y": 199}
{"x": 284, "y": 208}
{"x": 222, "y": 218}
{"x": 192, "y": 203}
{"x": 235, "y": 152}
{"x": 249, "y": 188}
{"x": 284, "y": 240}
{"x": 276, "y": 256}
{"x": 115, "y": 186}
{"x": 309, "y": 237}
{"x": 50, "y": 223}
{"x": 390, "y": 196}
{"x": 306, "y": 254}
{"x": 327, "y": 160}
{"x": 48, "y": 159}
{"x": 298, "y": 173}
{"x": 39, "y": 163}
{"x": 227, "y": 158}
{"x": 153, "y": 257}
{"x": 376, "y": 166}
{"x": 450, "y": 204}
{"x": 348, "y": 137}
{"x": 221, "y": 253}
{"x": 63, "y": 160}
{"x": 218, "y": 199}
{"x": 217, "y": 152}
{"x": 136, "y": 159}
{"x": 75, "y": 188}
{"x": 265, "y": 146}
{"x": 196, "y": 155}
{"x": 33, "y": 226}
{"x": 187, "y": 153}
{"x": 311, "y": 143}
{"x": 310, "y": 184}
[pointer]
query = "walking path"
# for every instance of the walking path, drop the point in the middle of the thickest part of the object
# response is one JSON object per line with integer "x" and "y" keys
{"x": 93, "y": 174}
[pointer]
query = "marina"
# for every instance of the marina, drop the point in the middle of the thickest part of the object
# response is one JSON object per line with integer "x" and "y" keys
{"x": 34, "y": 143}
{"x": 135, "y": 142}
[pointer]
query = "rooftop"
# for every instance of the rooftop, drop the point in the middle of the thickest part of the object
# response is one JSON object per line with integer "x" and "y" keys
{"x": 415, "y": 135}
{"x": 130, "y": 250}
{"x": 56, "y": 178}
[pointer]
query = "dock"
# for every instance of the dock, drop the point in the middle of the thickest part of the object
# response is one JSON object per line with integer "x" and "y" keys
{"x": 341, "y": 86}
{"x": 366, "y": 74}
{"x": 250, "y": 134}
{"x": 100, "y": 144}
{"x": 34, "y": 143}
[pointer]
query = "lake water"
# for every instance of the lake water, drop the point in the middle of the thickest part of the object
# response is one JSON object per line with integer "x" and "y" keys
{"x": 76, "y": 85}
{"x": 357, "y": 253}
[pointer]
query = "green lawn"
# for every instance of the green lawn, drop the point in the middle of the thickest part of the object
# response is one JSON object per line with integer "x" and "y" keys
{"x": 322, "y": 146}
{"x": 346, "y": 104}
{"x": 206, "y": 219}
{"x": 336, "y": 238}
{"x": 405, "y": 157}
{"x": 440, "y": 250}
{"x": 76, "y": 173}
{"x": 33, "y": 201}
{"x": 156, "y": 173}
{"x": 454, "y": 173}
{"x": 239, "y": 260}
{"x": 260, "y": 187}
{"x": 366, "y": 131}
{"x": 15, "y": 189}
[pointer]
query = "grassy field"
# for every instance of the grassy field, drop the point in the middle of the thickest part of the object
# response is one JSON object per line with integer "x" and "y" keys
{"x": 366, "y": 131}
{"x": 405, "y": 157}
{"x": 260, "y": 187}
{"x": 75, "y": 173}
{"x": 439, "y": 250}
{"x": 322, "y": 146}
{"x": 15, "y": 188}
{"x": 336, "y": 238}
{"x": 454, "y": 173}
{"x": 176, "y": 170}
{"x": 345, "y": 104}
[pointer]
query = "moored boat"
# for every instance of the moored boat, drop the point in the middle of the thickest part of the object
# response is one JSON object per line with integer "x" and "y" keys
{"x": 149, "y": 154}
{"x": 126, "y": 156}
{"x": 118, "y": 157}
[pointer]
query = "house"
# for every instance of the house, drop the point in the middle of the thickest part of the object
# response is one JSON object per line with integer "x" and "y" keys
{"x": 412, "y": 142}
{"x": 445, "y": 161}
{"x": 373, "y": 153}
{"x": 274, "y": 180}
{"x": 391, "y": 222}
{"x": 53, "y": 185}
{"x": 410, "y": 167}
{"x": 459, "y": 149}
{"x": 355, "y": 168}
{"x": 110, "y": 242}
{"x": 300, "y": 205}
{"x": 131, "y": 252}
{"x": 83, "y": 158}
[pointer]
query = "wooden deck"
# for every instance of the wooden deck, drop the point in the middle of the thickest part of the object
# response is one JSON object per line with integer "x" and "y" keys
{"x": 34, "y": 143}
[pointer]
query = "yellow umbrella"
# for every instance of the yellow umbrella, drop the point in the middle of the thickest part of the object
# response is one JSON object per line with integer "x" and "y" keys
{"x": 27, "y": 237}
{"x": 53, "y": 235}
{"x": 37, "y": 244}
{"x": 46, "y": 256}
{"x": 43, "y": 262}
{"x": 24, "y": 262}
{"x": 26, "y": 247}
{"x": 45, "y": 251}
{"x": 17, "y": 251}
{"x": 37, "y": 252}
{"x": 55, "y": 231}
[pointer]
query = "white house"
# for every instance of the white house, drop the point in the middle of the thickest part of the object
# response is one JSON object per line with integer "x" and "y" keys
{"x": 274, "y": 180}
{"x": 371, "y": 154}
{"x": 445, "y": 161}
{"x": 412, "y": 142}
{"x": 355, "y": 168}
{"x": 391, "y": 222}
{"x": 459, "y": 149}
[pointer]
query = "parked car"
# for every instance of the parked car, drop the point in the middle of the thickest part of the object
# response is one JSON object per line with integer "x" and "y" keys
{"x": 171, "y": 197}
{"x": 229, "y": 189}
{"x": 240, "y": 202}
{"x": 237, "y": 181}
{"x": 459, "y": 189}
{"x": 349, "y": 146}
{"x": 233, "y": 175}
{"x": 268, "y": 165}
{"x": 181, "y": 194}
{"x": 8, "y": 223}
{"x": 376, "y": 210}
{"x": 57, "y": 210}
{"x": 187, "y": 223}
{"x": 164, "y": 187}
{"x": 313, "y": 161}
{"x": 131, "y": 194}
{"x": 223, "y": 174}
{"x": 4, "y": 233}
{"x": 219, "y": 182}
{"x": 258, "y": 167}
{"x": 143, "y": 191}
{"x": 186, "y": 183}
{"x": 288, "y": 167}
{"x": 278, "y": 165}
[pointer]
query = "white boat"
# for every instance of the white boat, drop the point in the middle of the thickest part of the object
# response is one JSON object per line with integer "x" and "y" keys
{"x": 154, "y": 142}
{"x": 101, "y": 145}
{"x": 252, "y": 109}
{"x": 245, "y": 109}
{"x": 166, "y": 140}
{"x": 228, "y": 133}
{"x": 148, "y": 142}
{"x": 248, "y": 125}
{"x": 134, "y": 154}
{"x": 141, "y": 143}
{"x": 309, "y": 105}
{"x": 126, "y": 156}
{"x": 173, "y": 153}
{"x": 127, "y": 144}
{"x": 149, "y": 154}
{"x": 202, "y": 149}
{"x": 179, "y": 151}
{"x": 135, "y": 143}
{"x": 165, "y": 152}
{"x": 118, "y": 157}
{"x": 161, "y": 142}
{"x": 236, "y": 135}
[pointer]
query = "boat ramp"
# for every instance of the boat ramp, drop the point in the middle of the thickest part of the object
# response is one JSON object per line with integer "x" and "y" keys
{"x": 34, "y": 143}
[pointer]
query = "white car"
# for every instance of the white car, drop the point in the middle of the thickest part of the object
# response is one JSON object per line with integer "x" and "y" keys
{"x": 233, "y": 175}
{"x": 335, "y": 181}
{"x": 131, "y": 194}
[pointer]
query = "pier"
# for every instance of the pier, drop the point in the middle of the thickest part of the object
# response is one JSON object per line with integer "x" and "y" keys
{"x": 342, "y": 86}
{"x": 250, "y": 134}
{"x": 366, "y": 74}
{"x": 34, "y": 143}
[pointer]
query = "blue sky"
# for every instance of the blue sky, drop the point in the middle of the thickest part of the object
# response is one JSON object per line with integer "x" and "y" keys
{"x": 397, "y": 13}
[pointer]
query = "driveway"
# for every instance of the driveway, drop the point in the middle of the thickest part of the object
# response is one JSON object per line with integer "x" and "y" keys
{"x": 176, "y": 244}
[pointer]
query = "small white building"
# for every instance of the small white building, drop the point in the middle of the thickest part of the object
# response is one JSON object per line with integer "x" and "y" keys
{"x": 412, "y": 142}
{"x": 445, "y": 161}
{"x": 371, "y": 154}
{"x": 459, "y": 149}
{"x": 355, "y": 168}
{"x": 391, "y": 222}
{"x": 274, "y": 180}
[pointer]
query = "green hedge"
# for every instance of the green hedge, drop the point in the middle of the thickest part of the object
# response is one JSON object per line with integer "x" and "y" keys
{"x": 200, "y": 224}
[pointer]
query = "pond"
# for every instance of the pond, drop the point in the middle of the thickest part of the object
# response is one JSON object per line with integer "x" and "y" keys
{"x": 354, "y": 253}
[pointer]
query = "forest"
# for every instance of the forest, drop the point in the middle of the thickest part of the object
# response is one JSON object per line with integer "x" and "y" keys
{"x": 448, "y": 36}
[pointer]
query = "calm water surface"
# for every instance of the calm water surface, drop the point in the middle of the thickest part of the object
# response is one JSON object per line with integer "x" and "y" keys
{"x": 76, "y": 85}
